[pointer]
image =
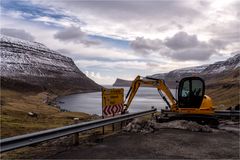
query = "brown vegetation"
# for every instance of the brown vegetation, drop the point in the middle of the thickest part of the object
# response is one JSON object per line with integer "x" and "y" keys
{"x": 224, "y": 89}
{"x": 16, "y": 121}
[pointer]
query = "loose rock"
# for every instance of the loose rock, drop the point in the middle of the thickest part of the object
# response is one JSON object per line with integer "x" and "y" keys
{"x": 144, "y": 126}
{"x": 138, "y": 125}
{"x": 185, "y": 125}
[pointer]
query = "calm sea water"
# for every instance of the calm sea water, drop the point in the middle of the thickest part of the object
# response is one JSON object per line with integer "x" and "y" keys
{"x": 92, "y": 103}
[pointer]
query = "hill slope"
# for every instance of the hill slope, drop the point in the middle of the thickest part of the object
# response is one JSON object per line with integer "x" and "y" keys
{"x": 29, "y": 65}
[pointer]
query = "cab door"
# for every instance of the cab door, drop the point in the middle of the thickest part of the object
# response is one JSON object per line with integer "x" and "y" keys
{"x": 191, "y": 92}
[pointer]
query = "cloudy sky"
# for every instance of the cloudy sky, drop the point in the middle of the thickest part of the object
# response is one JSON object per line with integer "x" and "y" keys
{"x": 110, "y": 39}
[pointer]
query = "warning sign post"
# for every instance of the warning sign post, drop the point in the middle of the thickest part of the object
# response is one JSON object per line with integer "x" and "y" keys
{"x": 112, "y": 101}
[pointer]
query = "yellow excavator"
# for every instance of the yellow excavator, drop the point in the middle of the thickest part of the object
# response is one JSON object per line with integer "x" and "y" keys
{"x": 191, "y": 103}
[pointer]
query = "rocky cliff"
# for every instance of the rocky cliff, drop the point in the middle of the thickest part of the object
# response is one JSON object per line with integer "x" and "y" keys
{"x": 121, "y": 82}
{"x": 29, "y": 65}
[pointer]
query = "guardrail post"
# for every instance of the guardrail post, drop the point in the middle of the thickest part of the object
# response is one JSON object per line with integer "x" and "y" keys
{"x": 153, "y": 113}
{"x": 103, "y": 130}
{"x": 113, "y": 125}
{"x": 76, "y": 135}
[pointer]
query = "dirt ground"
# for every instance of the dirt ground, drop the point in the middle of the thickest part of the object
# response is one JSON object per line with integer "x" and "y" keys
{"x": 162, "y": 144}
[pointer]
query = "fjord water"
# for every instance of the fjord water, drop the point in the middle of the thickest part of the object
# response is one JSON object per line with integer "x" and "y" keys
{"x": 91, "y": 103}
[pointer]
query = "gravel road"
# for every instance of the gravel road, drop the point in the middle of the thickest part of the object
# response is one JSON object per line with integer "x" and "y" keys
{"x": 162, "y": 144}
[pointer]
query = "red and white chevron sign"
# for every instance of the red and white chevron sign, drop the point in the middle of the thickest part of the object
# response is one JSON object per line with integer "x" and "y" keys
{"x": 112, "y": 101}
{"x": 112, "y": 109}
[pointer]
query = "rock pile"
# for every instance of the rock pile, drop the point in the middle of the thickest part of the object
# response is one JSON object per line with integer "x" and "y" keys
{"x": 185, "y": 125}
{"x": 144, "y": 126}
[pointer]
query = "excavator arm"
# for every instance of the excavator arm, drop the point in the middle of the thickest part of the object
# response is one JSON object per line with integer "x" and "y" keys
{"x": 159, "y": 84}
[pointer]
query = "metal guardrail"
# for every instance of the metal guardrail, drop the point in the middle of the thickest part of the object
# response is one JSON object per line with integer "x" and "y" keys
{"x": 217, "y": 113}
{"x": 11, "y": 143}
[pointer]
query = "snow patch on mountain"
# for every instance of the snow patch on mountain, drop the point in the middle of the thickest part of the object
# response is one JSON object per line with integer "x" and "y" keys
{"x": 223, "y": 66}
{"x": 20, "y": 57}
{"x": 231, "y": 63}
{"x": 196, "y": 69}
{"x": 35, "y": 64}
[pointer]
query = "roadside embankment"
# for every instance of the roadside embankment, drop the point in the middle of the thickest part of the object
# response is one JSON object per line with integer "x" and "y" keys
{"x": 179, "y": 139}
{"x": 162, "y": 144}
{"x": 26, "y": 112}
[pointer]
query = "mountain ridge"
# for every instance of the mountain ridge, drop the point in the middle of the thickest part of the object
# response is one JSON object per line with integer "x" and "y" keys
{"x": 220, "y": 67}
{"x": 34, "y": 64}
{"x": 221, "y": 79}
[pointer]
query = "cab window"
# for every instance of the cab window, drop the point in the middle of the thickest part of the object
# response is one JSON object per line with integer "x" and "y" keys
{"x": 197, "y": 87}
{"x": 186, "y": 89}
{"x": 191, "y": 92}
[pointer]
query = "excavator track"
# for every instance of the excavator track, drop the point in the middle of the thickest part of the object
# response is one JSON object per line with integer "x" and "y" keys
{"x": 200, "y": 119}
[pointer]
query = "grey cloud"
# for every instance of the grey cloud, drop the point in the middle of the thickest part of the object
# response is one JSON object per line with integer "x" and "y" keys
{"x": 218, "y": 44}
{"x": 17, "y": 33}
{"x": 132, "y": 9}
{"x": 140, "y": 13}
{"x": 173, "y": 25}
{"x": 159, "y": 16}
{"x": 181, "y": 46}
{"x": 151, "y": 64}
{"x": 146, "y": 45}
{"x": 70, "y": 34}
{"x": 74, "y": 34}
{"x": 182, "y": 40}
{"x": 187, "y": 47}
{"x": 228, "y": 32}
{"x": 68, "y": 53}
{"x": 204, "y": 3}
{"x": 199, "y": 54}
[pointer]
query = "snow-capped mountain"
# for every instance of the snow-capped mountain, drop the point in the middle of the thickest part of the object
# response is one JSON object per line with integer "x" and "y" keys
{"x": 221, "y": 79}
{"x": 219, "y": 69}
{"x": 184, "y": 72}
{"x": 179, "y": 73}
{"x": 158, "y": 76}
{"x": 34, "y": 63}
{"x": 231, "y": 63}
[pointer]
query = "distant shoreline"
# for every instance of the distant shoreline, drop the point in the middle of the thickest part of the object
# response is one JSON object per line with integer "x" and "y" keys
{"x": 55, "y": 101}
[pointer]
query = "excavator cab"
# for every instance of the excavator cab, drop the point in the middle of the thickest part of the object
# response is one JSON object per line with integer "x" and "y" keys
{"x": 191, "y": 92}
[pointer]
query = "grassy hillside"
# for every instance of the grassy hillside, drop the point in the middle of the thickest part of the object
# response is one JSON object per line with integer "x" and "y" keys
{"x": 16, "y": 121}
{"x": 224, "y": 98}
{"x": 224, "y": 89}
